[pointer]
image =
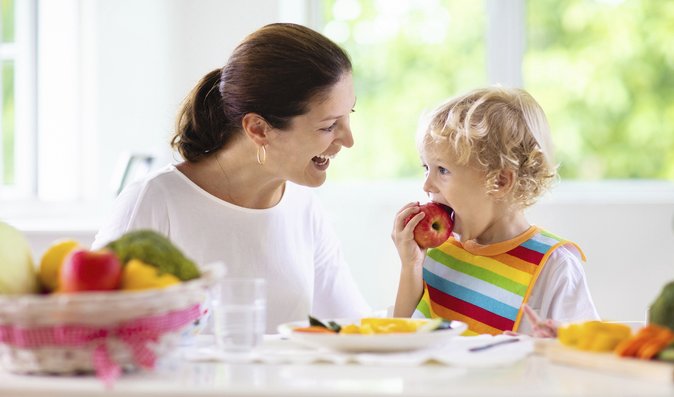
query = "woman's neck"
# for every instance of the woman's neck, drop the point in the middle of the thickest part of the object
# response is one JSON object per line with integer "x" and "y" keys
{"x": 235, "y": 176}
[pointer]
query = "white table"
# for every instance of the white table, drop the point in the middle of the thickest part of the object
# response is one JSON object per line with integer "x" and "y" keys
{"x": 533, "y": 376}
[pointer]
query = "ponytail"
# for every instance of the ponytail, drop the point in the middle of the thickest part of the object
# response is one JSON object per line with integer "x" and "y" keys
{"x": 202, "y": 126}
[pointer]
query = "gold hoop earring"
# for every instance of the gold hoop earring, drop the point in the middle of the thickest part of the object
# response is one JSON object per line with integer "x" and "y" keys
{"x": 261, "y": 158}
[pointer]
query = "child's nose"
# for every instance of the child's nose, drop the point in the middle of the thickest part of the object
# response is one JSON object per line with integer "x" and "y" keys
{"x": 429, "y": 187}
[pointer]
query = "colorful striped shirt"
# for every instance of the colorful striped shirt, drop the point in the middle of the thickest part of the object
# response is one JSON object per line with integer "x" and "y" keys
{"x": 485, "y": 286}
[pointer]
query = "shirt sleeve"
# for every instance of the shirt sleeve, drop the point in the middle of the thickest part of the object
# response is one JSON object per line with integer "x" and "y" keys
{"x": 561, "y": 292}
{"x": 336, "y": 294}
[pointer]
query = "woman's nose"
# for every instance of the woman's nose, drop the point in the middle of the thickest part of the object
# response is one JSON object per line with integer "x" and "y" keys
{"x": 346, "y": 137}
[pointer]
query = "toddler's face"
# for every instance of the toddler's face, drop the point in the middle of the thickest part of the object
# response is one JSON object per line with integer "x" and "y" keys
{"x": 462, "y": 187}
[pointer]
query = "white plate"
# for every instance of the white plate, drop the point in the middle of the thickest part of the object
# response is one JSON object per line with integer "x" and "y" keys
{"x": 394, "y": 342}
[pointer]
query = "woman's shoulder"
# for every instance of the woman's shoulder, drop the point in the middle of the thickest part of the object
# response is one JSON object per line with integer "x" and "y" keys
{"x": 168, "y": 174}
{"x": 167, "y": 177}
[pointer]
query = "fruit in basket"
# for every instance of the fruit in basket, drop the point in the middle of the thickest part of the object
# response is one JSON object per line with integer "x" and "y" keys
{"x": 51, "y": 262}
{"x": 138, "y": 275}
{"x": 436, "y": 227}
{"x": 85, "y": 270}
{"x": 156, "y": 250}
{"x": 661, "y": 311}
{"x": 17, "y": 269}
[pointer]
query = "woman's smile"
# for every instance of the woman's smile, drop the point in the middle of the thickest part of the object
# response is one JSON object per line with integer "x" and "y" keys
{"x": 322, "y": 161}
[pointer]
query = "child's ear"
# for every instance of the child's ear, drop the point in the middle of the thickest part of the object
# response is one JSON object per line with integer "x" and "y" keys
{"x": 504, "y": 183}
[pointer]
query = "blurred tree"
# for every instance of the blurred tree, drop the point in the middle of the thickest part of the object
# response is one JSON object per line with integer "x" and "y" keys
{"x": 603, "y": 71}
{"x": 407, "y": 57}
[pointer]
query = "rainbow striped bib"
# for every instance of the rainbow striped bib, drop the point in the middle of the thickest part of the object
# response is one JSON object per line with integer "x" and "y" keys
{"x": 486, "y": 290}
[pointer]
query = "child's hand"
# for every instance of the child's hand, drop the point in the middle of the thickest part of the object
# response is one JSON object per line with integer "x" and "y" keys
{"x": 403, "y": 235}
{"x": 540, "y": 328}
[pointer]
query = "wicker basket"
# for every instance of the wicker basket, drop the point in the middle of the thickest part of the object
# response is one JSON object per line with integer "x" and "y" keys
{"x": 98, "y": 331}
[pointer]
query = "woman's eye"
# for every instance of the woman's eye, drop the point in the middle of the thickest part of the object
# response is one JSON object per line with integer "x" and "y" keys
{"x": 331, "y": 128}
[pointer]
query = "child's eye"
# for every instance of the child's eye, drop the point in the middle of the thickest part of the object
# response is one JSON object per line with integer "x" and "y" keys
{"x": 425, "y": 167}
{"x": 331, "y": 128}
{"x": 443, "y": 171}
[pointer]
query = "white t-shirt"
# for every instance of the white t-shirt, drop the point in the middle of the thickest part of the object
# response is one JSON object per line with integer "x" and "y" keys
{"x": 291, "y": 245}
{"x": 561, "y": 292}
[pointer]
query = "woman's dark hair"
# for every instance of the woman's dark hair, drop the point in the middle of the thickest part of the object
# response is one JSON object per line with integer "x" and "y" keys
{"x": 274, "y": 72}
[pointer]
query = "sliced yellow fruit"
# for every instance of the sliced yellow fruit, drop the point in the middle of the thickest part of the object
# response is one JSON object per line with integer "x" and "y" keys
{"x": 596, "y": 336}
{"x": 389, "y": 325}
{"x": 350, "y": 329}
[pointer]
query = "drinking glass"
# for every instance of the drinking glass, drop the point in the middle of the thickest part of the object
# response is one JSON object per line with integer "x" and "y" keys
{"x": 239, "y": 313}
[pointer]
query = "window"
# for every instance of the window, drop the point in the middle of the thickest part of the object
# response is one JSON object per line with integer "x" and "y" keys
{"x": 17, "y": 80}
{"x": 604, "y": 71}
{"x": 407, "y": 57}
{"x": 601, "y": 69}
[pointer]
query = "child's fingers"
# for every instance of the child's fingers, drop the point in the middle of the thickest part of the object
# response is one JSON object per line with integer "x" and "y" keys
{"x": 406, "y": 206}
{"x": 404, "y": 214}
{"x": 548, "y": 329}
{"x": 541, "y": 328}
{"x": 531, "y": 315}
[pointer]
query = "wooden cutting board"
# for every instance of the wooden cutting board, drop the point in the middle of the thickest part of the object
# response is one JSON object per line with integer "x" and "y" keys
{"x": 606, "y": 362}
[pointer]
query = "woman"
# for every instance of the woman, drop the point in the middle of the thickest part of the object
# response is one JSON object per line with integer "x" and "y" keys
{"x": 254, "y": 135}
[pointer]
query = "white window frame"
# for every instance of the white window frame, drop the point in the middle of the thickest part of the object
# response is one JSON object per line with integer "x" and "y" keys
{"x": 23, "y": 51}
{"x": 505, "y": 39}
{"x": 505, "y": 35}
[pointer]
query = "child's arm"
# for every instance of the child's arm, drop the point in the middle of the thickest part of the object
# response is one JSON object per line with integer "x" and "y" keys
{"x": 410, "y": 288}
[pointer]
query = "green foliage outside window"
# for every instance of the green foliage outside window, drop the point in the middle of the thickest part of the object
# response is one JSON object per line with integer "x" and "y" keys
{"x": 407, "y": 57}
{"x": 7, "y": 154}
{"x": 604, "y": 73}
{"x": 603, "y": 70}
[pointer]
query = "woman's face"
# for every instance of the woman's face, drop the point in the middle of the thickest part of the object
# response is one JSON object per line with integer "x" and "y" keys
{"x": 302, "y": 153}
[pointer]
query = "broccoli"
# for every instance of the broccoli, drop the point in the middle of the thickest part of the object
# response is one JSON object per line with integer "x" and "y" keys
{"x": 661, "y": 311}
{"x": 156, "y": 250}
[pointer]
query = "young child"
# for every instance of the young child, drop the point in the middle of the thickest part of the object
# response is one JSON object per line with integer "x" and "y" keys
{"x": 488, "y": 156}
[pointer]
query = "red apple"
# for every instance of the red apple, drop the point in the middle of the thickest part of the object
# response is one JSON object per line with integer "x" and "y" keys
{"x": 85, "y": 270}
{"x": 435, "y": 228}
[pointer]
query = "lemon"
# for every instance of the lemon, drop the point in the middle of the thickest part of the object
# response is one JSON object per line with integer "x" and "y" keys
{"x": 52, "y": 259}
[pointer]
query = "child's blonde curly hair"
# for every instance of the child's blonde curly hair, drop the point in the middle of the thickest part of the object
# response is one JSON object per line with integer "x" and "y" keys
{"x": 498, "y": 129}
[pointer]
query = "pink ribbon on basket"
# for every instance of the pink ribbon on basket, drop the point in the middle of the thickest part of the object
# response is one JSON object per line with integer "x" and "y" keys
{"x": 137, "y": 334}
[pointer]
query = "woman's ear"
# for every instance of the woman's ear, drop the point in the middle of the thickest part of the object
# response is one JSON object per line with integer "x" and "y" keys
{"x": 504, "y": 183}
{"x": 256, "y": 128}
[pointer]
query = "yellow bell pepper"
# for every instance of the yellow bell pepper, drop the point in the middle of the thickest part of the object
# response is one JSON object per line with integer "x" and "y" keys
{"x": 138, "y": 275}
{"x": 596, "y": 336}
